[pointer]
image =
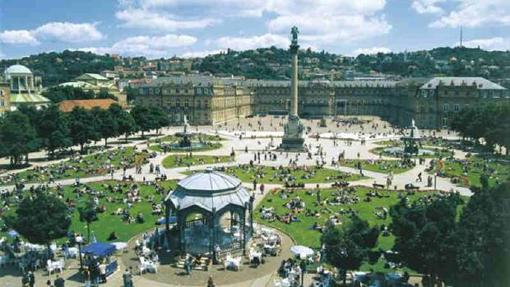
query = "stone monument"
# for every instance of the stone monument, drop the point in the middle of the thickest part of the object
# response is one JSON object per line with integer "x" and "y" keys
{"x": 412, "y": 141}
{"x": 293, "y": 139}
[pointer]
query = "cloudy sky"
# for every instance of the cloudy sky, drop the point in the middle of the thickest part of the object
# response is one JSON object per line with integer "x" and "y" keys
{"x": 163, "y": 28}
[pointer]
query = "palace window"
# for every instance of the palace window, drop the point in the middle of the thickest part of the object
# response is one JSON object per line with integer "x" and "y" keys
{"x": 445, "y": 108}
{"x": 456, "y": 107}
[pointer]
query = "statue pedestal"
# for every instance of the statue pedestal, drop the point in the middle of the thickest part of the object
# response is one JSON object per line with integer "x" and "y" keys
{"x": 293, "y": 139}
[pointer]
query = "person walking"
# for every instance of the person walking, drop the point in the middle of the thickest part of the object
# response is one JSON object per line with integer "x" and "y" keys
{"x": 31, "y": 279}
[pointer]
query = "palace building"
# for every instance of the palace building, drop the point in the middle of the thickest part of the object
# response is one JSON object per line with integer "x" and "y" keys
{"x": 210, "y": 100}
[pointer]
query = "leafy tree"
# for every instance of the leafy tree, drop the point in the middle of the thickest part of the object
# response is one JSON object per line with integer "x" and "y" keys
{"x": 424, "y": 235}
{"x": 41, "y": 218}
{"x": 143, "y": 118}
{"x": 125, "y": 123}
{"x": 18, "y": 137}
{"x": 104, "y": 94}
{"x": 106, "y": 124}
{"x": 160, "y": 118}
{"x": 53, "y": 129}
{"x": 82, "y": 127}
{"x": 483, "y": 239}
{"x": 88, "y": 214}
{"x": 60, "y": 93}
{"x": 348, "y": 247}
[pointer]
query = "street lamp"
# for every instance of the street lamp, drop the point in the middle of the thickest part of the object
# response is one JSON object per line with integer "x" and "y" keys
{"x": 79, "y": 240}
{"x": 435, "y": 181}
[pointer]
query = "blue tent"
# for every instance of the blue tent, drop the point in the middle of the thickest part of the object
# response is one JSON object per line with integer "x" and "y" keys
{"x": 99, "y": 249}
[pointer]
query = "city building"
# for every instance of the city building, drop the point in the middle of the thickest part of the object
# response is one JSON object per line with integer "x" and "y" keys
{"x": 205, "y": 100}
{"x": 25, "y": 88}
{"x": 431, "y": 102}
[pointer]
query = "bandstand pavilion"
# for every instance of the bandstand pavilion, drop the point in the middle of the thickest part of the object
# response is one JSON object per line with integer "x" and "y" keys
{"x": 213, "y": 211}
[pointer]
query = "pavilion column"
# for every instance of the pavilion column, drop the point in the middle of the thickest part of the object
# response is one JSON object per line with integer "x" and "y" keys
{"x": 167, "y": 217}
{"x": 251, "y": 215}
{"x": 243, "y": 231}
{"x": 212, "y": 235}
{"x": 182, "y": 229}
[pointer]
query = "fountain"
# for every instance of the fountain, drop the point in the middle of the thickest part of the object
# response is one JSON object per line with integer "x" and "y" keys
{"x": 186, "y": 141}
{"x": 411, "y": 144}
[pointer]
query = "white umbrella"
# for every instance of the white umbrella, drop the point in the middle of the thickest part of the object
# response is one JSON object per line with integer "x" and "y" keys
{"x": 120, "y": 245}
{"x": 301, "y": 251}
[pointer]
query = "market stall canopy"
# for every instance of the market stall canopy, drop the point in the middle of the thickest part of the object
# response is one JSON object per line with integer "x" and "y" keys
{"x": 99, "y": 249}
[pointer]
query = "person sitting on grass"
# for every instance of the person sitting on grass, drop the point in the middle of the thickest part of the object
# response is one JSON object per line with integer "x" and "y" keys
{"x": 113, "y": 236}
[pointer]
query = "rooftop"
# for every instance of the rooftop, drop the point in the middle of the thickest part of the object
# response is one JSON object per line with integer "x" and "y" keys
{"x": 479, "y": 82}
{"x": 69, "y": 105}
{"x": 18, "y": 69}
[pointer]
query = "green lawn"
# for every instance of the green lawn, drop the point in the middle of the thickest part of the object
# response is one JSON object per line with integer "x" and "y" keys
{"x": 379, "y": 165}
{"x": 438, "y": 152}
{"x": 87, "y": 166}
{"x": 302, "y": 231}
{"x": 108, "y": 222}
{"x": 172, "y": 161}
{"x": 476, "y": 166}
{"x": 207, "y": 146}
{"x": 280, "y": 175}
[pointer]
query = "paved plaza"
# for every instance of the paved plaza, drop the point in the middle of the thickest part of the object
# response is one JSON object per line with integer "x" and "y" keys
{"x": 247, "y": 139}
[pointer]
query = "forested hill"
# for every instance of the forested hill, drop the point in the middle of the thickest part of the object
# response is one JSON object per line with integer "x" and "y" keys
{"x": 62, "y": 66}
{"x": 274, "y": 63}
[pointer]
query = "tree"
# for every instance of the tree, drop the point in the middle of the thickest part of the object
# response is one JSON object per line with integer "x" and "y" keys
{"x": 125, "y": 123}
{"x": 424, "y": 235}
{"x": 88, "y": 214}
{"x": 82, "y": 127}
{"x": 18, "y": 137}
{"x": 57, "y": 94}
{"x": 348, "y": 247}
{"x": 41, "y": 218}
{"x": 106, "y": 124}
{"x": 160, "y": 118}
{"x": 483, "y": 239}
{"x": 143, "y": 118}
{"x": 53, "y": 129}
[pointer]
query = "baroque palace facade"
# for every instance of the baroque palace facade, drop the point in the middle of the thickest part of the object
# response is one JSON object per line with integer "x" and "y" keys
{"x": 209, "y": 100}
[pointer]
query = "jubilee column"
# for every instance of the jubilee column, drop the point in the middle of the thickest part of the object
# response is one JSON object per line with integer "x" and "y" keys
{"x": 293, "y": 139}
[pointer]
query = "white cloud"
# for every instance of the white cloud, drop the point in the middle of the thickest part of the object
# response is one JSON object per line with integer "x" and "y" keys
{"x": 201, "y": 54}
{"x": 68, "y": 32}
{"x": 370, "y": 51}
{"x": 476, "y": 13}
{"x": 427, "y": 6}
{"x": 152, "y": 47}
{"x": 320, "y": 21}
{"x": 53, "y": 31}
{"x": 18, "y": 37}
{"x": 491, "y": 44}
{"x": 253, "y": 42}
{"x": 139, "y": 18}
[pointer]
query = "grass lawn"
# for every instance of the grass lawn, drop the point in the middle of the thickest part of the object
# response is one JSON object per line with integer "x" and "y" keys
{"x": 379, "y": 165}
{"x": 87, "y": 166}
{"x": 438, "y": 152}
{"x": 207, "y": 146}
{"x": 498, "y": 171}
{"x": 108, "y": 222}
{"x": 268, "y": 174}
{"x": 172, "y": 161}
{"x": 302, "y": 231}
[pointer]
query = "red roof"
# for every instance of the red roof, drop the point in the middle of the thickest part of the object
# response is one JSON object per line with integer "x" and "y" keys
{"x": 69, "y": 105}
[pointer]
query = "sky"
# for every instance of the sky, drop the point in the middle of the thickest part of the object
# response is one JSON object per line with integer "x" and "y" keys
{"x": 189, "y": 28}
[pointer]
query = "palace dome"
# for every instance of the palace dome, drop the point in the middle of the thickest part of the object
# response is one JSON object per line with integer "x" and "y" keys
{"x": 18, "y": 69}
